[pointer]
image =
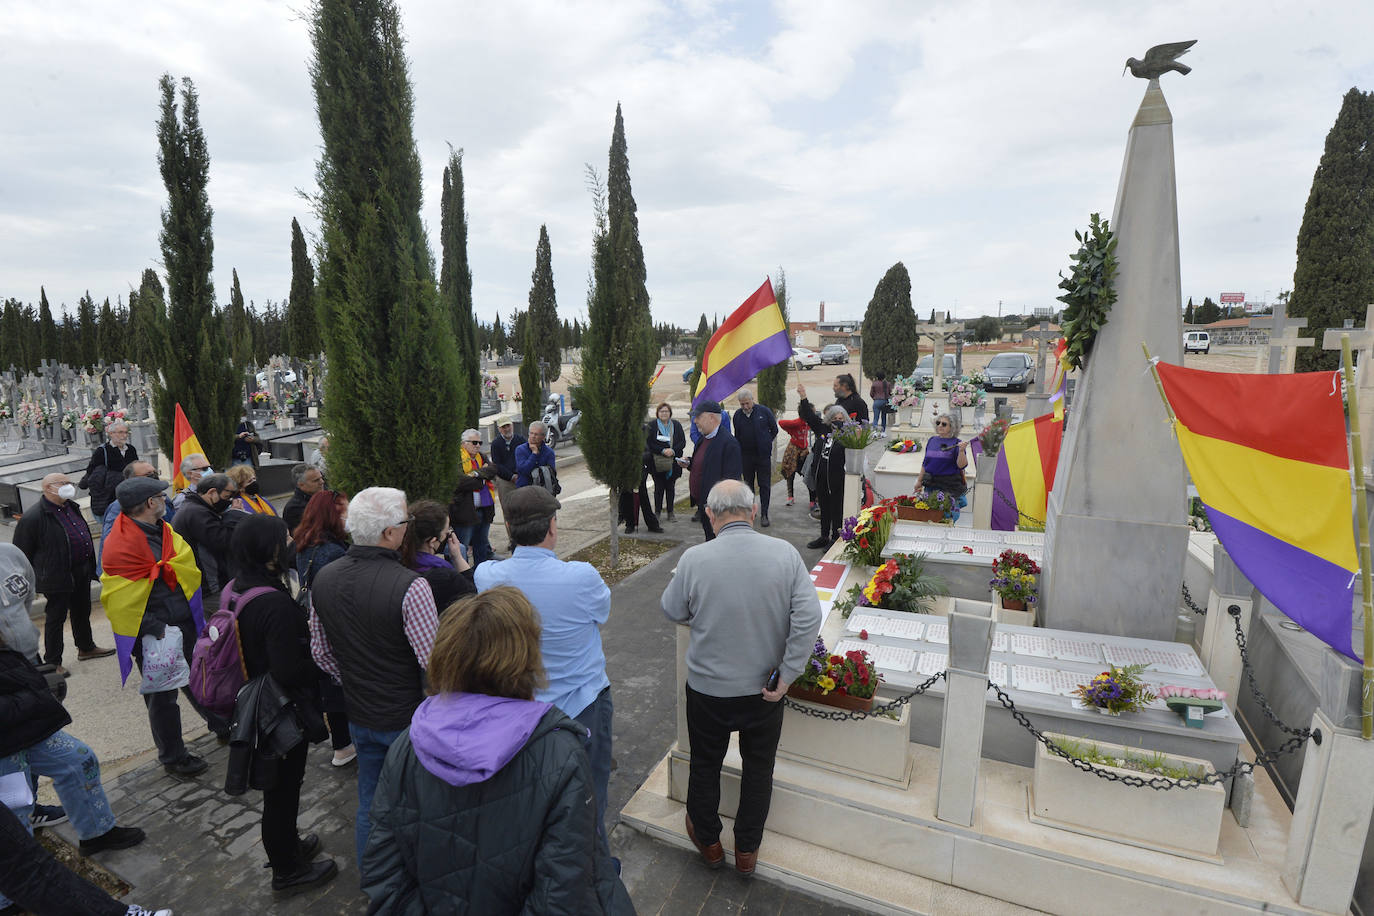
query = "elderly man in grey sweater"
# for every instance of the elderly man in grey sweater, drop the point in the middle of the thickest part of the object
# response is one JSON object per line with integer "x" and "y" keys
{"x": 752, "y": 608}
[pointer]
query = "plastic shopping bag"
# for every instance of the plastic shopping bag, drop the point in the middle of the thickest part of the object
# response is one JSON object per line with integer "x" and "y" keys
{"x": 164, "y": 663}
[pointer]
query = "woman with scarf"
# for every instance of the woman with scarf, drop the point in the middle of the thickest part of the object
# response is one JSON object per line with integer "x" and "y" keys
{"x": 829, "y": 467}
{"x": 250, "y": 499}
{"x": 665, "y": 442}
{"x": 428, "y": 535}
{"x": 474, "y": 499}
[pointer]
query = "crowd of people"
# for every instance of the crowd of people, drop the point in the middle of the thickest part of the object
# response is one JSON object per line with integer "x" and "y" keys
{"x": 469, "y": 690}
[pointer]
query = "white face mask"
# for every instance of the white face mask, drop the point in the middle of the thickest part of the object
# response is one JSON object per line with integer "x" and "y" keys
{"x": 67, "y": 491}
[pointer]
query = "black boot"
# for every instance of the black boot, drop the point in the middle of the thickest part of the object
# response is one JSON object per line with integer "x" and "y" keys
{"x": 308, "y": 876}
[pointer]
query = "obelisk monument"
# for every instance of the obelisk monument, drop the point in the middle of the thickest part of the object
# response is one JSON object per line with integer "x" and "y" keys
{"x": 1116, "y": 534}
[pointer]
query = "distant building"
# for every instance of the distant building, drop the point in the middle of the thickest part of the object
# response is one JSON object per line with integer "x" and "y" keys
{"x": 1028, "y": 335}
{"x": 1231, "y": 331}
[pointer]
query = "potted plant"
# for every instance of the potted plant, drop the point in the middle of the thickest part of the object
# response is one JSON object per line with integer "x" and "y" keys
{"x": 934, "y": 506}
{"x": 854, "y": 435}
{"x": 900, "y": 584}
{"x": 905, "y": 396}
{"x": 1013, "y": 579}
{"x": 1116, "y": 690}
{"x": 846, "y": 681}
{"x": 964, "y": 394}
{"x": 865, "y": 535}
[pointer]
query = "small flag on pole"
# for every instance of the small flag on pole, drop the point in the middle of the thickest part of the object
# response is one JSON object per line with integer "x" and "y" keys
{"x": 184, "y": 442}
{"x": 753, "y": 338}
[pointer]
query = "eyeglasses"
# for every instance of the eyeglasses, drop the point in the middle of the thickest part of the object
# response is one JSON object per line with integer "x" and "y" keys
{"x": 472, "y": 441}
{"x": 201, "y": 470}
{"x": 941, "y": 423}
{"x": 153, "y": 476}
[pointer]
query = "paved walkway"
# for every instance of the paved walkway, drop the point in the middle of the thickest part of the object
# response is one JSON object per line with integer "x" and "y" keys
{"x": 204, "y": 855}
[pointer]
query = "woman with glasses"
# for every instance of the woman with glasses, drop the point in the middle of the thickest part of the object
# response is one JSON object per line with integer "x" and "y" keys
{"x": 319, "y": 541}
{"x": 249, "y": 499}
{"x": 945, "y": 460}
{"x": 431, "y": 548}
{"x": 829, "y": 467}
{"x": 474, "y": 500}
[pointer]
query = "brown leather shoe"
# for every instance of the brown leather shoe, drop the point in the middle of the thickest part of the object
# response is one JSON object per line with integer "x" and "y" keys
{"x": 745, "y": 862}
{"x": 86, "y": 655}
{"x": 712, "y": 855}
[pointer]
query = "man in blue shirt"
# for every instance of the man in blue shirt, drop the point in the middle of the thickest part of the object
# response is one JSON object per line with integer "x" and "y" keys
{"x": 531, "y": 454}
{"x": 573, "y": 604}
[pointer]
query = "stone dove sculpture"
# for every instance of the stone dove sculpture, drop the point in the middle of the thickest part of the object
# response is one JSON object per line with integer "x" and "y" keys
{"x": 1159, "y": 60}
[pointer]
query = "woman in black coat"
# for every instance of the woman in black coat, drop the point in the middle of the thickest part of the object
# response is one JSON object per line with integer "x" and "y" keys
{"x": 105, "y": 470}
{"x": 664, "y": 439}
{"x": 275, "y": 640}
{"x": 428, "y": 536}
{"x": 829, "y": 469}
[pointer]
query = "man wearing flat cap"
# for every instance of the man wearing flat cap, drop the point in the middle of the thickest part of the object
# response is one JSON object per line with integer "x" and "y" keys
{"x": 715, "y": 458}
{"x": 573, "y": 604}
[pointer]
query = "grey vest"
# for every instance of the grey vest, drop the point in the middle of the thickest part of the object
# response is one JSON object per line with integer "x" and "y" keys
{"x": 358, "y": 600}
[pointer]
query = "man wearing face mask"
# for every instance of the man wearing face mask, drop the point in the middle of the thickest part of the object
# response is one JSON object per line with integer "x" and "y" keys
{"x": 201, "y": 523}
{"x": 56, "y": 539}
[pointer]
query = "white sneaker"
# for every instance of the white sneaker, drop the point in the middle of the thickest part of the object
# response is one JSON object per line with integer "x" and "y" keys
{"x": 136, "y": 910}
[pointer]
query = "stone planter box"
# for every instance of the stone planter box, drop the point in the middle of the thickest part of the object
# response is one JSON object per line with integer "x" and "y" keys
{"x": 913, "y": 514}
{"x": 1021, "y": 617}
{"x": 1183, "y": 822}
{"x": 875, "y": 747}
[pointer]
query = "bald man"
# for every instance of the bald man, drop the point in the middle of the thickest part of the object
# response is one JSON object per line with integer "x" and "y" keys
{"x": 56, "y": 538}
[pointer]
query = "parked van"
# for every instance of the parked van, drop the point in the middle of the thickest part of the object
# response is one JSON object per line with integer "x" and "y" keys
{"x": 1197, "y": 342}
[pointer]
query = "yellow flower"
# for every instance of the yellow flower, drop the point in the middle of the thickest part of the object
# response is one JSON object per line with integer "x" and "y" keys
{"x": 826, "y": 683}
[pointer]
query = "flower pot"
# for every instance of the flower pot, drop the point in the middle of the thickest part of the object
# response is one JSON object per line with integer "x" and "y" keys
{"x": 853, "y": 461}
{"x": 903, "y": 416}
{"x": 913, "y": 514}
{"x": 875, "y": 745}
{"x": 1107, "y": 712}
{"x": 838, "y": 700}
{"x": 1013, "y": 604}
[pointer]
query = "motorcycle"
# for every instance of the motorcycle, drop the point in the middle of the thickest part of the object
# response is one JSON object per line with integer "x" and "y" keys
{"x": 559, "y": 425}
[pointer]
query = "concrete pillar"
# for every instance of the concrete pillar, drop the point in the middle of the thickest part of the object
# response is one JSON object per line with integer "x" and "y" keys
{"x": 677, "y": 788}
{"x": 1330, "y": 819}
{"x": 966, "y": 687}
{"x": 1220, "y": 654}
{"x": 853, "y": 495}
{"x": 982, "y": 492}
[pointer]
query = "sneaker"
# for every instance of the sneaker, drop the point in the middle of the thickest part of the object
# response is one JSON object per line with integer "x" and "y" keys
{"x": 136, "y": 910}
{"x": 189, "y": 765}
{"x": 790, "y": 500}
{"x": 114, "y": 838}
{"x": 308, "y": 876}
{"x": 47, "y": 816}
{"x": 86, "y": 655}
{"x": 344, "y": 756}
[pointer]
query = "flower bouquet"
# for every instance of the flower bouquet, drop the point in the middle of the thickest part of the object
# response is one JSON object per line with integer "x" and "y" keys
{"x": 854, "y": 434}
{"x": 1192, "y": 703}
{"x": 978, "y": 378}
{"x": 900, "y": 584}
{"x": 1013, "y": 577}
{"x": 865, "y": 535}
{"x": 29, "y": 414}
{"x": 932, "y": 506}
{"x": 965, "y": 394}
{"x": 848, "y": 680}
{"x": 904, "y": 446}
{"x": 1116, "y": 690}
{"x": 93, "y": 421}
{"x": 261, "y": 400}
{"x": 115, "y": 415}
{"x": 71, "y": 418}
{"x": 993, "y": 435}
{"x": 5, "y": 412}
{"x": 904, "y": 393}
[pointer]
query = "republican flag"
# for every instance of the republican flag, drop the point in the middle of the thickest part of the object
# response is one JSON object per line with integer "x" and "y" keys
{"x": 184, "y": 442}
{"x": 1059, "y": 382}
{"x": 1025, "y": 471}
{"x": 750, "y": 340}
{"x": 1268, "y": 456}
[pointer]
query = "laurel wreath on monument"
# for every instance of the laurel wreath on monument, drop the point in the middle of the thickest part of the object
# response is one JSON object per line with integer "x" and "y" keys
{"x": 1090, "y": 289}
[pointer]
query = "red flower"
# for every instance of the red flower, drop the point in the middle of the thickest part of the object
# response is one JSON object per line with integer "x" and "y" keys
{"x": 841, "y": 691}
{"x": 836, "y": 660}
{"x": 863, "y": 634}
{"x": 863, "y": 675}
{"x": 849, "y": 679}
{"x": 863, "y": 543}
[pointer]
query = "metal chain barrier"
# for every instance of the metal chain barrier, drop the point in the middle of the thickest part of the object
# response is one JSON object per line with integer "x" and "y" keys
{"x": 1034, "y": 522}
{"x": 1260, "y": 698}
{"x": 1190, "y": 604}
{"x": 842, "y": 715}
{"x": 1158, "y": 783}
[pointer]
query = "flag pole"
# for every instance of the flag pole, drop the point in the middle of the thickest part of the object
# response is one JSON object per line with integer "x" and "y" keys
{"x": 1352, "y": 413}
{"x": 1154, "y": 370}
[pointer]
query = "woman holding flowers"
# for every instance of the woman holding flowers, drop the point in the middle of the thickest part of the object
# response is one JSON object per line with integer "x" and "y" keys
{"x": 829, "y": 467}
{"x": 945, "y": 460}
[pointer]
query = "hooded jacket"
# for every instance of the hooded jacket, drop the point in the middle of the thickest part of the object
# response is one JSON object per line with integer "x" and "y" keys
{"x": 488, "y": 801}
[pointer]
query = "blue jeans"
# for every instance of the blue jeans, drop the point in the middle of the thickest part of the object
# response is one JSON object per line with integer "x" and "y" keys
{"x": 597, "y": 718}
{"x": 475, "y": 538}
{"x": 880, "y": 413}
{"x": 371, "y": 746}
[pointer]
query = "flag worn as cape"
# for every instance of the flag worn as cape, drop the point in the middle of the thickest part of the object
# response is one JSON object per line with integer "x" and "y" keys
{"x": 1268, "y": 457}
{"x": 184, "y": 442}
{"x": 1025, "y": 471}
{"x": 127, "y": 581}
{"x": 751, "y": 339}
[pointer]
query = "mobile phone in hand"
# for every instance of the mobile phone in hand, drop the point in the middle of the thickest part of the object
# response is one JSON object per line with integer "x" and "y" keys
{"x": 773, "y": 679}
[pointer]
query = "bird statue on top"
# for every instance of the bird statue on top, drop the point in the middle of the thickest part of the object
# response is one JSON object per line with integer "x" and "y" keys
{"x": 1159, "y": 60}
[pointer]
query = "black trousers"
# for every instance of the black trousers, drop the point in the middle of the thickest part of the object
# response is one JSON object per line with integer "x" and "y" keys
{"x": 280, "y": 805}
{"x": 335, "y": 713}
{"x": 665, "y": 489}
{"x": 832, "y": 512}
{"x": 758, "y": 476}
{"x": 164, "y": 715}
{"x": 634, "y": 504}
{"x": 710, "y": 720}
{"x": 37, "y": 882}
{"x": 77, "y": 604}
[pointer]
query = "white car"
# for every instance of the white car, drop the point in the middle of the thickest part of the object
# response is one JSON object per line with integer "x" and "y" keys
{"x": 288, "y": 377}
{"x": 1197, "y": 342}
{"x": 803, "y": 358}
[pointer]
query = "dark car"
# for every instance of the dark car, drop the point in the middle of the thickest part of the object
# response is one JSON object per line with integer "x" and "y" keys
{"x": 925, "y": 368}
{"x": 1012, "y": 371}
{"x": 834, "y": 354}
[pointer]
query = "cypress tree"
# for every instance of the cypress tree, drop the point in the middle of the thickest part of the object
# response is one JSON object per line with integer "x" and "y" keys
{"x": 147, "y": 322}
{"x": 498, "y": 338}
{"x": 531, "y": 391}
{"x": 618, "y": 352}
{"x": 1188, "y": 312}
{"x": 1334, "y": 276}
{"x": 194, "y": 365}
{"x": 519, "y": 338}
{"x": 302, "y": 326}
{"x": 87, "y": 332}
{"x": 890, "y": 341}
{"x": 110, "y": 340}
{"x": 30, "y": 330}
{"x": 391, "y": 395}
{"x": 240, "y": 333}
{"x": 12, "y": 336}
{"x": 47, "y": 328}
{"x": 773, "y": 380}
{"x": 543, "y": 312}
{"x": 455, "y": 289}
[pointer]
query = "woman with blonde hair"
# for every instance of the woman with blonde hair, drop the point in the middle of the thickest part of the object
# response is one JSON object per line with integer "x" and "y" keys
{"x": 249, "y": 500}
{"x": 485, "y": 803}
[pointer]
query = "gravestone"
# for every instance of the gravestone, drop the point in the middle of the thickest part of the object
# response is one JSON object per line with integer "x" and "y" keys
{"x": 937, "y": 402}
{"x": 1118, "y": 498}
{"x": 1283, "y": 339}
{"x": 1362, "y": 349}
{"x": 1038, "y": 402}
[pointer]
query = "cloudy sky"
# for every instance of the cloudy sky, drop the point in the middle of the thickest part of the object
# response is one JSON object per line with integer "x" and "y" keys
{"x": 967, "y": 139}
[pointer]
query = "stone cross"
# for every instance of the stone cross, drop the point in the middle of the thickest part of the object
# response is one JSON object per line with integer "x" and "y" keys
{"x": 119, "y": 385}
{"x": 938, "y": 331}
{"x": 49, "y": 370}
{"x": 1283, "y": 345}
{"x": 1042, "y": 340}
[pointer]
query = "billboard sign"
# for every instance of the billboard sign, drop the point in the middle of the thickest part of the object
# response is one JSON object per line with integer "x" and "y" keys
{"x": 1233, "y": 298}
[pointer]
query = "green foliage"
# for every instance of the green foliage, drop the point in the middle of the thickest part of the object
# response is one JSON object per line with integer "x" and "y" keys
{"x": 1090, "y": 289}
{"x": 773, "y": 380}
{"x": 12, "y": 336}
{"x": 47, "y": 328}
{"x": 147, "y": 322}
{"x": 1207, "y": 313}
{"x": 391, "y": 395}
{"x": 617, "y": 351}
{"x": 1188, "y": 312}
{"x": 194, "y": 363}
{"x": 890, "y": 339}
{"x": 531, "y": 392}
{"x": 239, "y": 329}
{"x": 499, "y": 343}
{"x": 1153, "y": 762}
{"x": 87, "y": 332}
{"x": 302, "y": 324}
{"x": 1334, "y": 276}
{"x": 542, "y": 334}
{"x": 987, "y": 328}
{"x": 455, "y": 289}
{"x": 109, "y": 344}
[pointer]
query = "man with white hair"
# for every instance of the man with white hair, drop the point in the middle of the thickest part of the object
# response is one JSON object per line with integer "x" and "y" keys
{"x": 193, "y": 467}
{"x": 740, "y": 637}
{"x": 755, "y": 429}
{"x": 106, "y": 468}
{"x": 372, "y": 627}
{"x": 532, "y": 455}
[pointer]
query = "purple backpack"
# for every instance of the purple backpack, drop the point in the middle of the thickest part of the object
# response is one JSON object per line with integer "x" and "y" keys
{"x": 217, "y": 668}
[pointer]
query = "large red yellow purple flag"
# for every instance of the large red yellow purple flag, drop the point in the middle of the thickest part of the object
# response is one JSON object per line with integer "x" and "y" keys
{"x": 753, "y": 338}
{"x": 184, "y": 442}
{"x": 1026, "y": 465}
{"x": 1268, "y": 456}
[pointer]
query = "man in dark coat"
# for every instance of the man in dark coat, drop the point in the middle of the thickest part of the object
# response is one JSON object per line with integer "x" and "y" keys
{"x": 201, "y": 523}
{"x": 847, "y": 397}
{"x": 57, "y": 541}
{"x": 755, "y": 430}
{"x": 106, "y": 468}
{"x": 503, "y": 457}
{"x": 309, "y": 481}
{"x": 715, "y": 458}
